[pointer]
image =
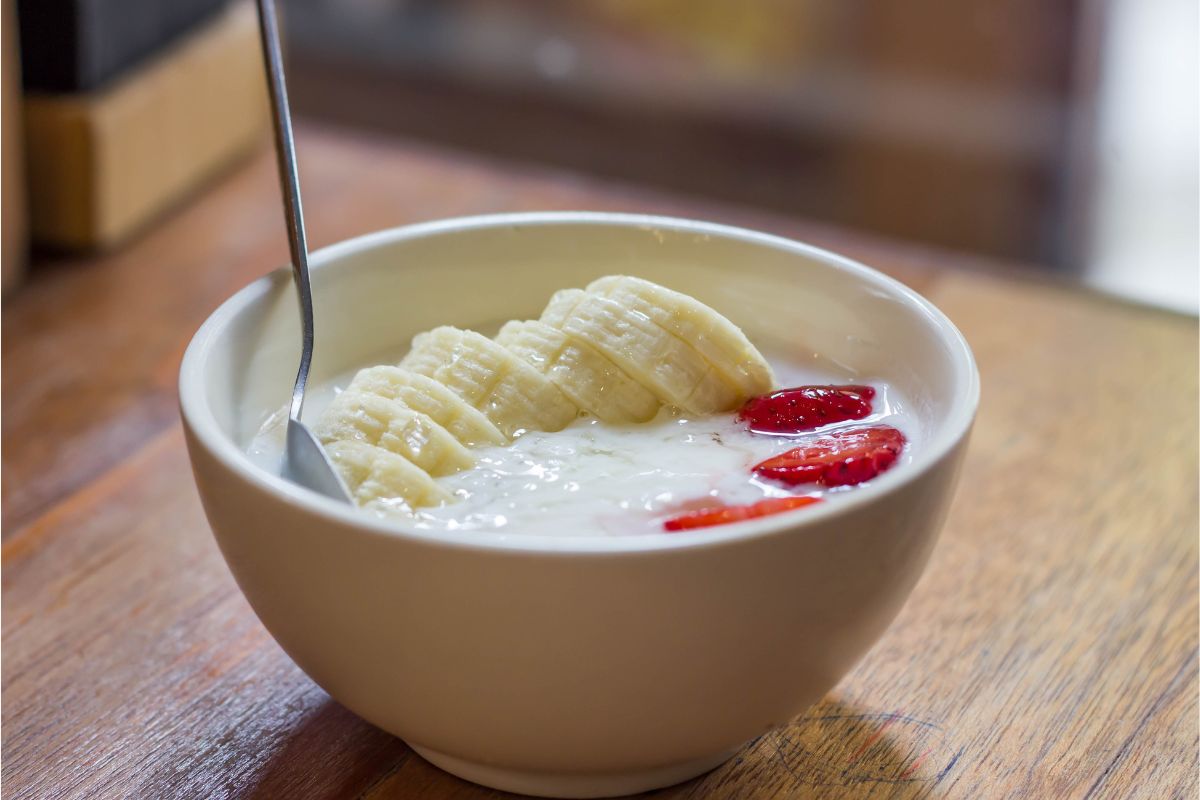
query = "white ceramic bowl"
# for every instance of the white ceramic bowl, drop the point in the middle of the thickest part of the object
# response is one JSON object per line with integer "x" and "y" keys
{"x": 574, "y": 666}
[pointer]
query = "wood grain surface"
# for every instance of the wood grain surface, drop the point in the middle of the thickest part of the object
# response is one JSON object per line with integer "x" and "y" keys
{"x": 1050, "y": 651}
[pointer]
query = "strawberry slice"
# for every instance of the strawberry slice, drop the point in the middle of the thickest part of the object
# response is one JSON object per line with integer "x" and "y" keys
{"x": 720, "y": 515}
{"x": 805, "y": 408}
{"x": 842, "y": 458}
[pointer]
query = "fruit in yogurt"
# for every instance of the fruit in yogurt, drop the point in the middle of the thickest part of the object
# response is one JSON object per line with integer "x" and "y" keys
{"x": 488, "y": 377}
{"x": 723, "y": 515}
{"x": 619, "y": 350}
{"x": 841, "y": 458}
{"x": 806, "y": 408}
{"x": 583, "y": 373}
{"x": 360, "y": 416}
{"x": 421, "y": 393}
{"x": 375, "y": 475}
{"x": 721, "y": 343}
{"x": 682, "y": 351}
{"x": 669, "y": 367}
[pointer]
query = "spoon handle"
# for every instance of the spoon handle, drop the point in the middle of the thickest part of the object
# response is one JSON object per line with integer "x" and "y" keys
{"x": 289, "y": 183}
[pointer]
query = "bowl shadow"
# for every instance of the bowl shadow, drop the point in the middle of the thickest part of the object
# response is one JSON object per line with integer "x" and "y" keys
{"x": 835, "y": 750}
{"x": 332, "y": 753}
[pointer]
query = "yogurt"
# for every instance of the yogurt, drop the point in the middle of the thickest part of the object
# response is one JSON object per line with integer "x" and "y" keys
{"x": 595, "y": 478}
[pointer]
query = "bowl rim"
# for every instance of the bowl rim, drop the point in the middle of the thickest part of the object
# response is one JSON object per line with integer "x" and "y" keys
{"x": 200, "y": 420}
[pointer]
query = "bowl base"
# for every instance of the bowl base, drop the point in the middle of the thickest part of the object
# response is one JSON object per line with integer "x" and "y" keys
{"x": 571, "y": 784}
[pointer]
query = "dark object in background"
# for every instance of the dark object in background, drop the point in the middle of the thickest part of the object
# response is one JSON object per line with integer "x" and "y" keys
{"x": 103, "y": 165}
{"x": 76, "y": 45}
{"x": 14, "y": 229}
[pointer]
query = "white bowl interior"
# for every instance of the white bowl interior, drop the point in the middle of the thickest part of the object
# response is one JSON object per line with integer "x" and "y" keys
{"x": 374, "y": 293}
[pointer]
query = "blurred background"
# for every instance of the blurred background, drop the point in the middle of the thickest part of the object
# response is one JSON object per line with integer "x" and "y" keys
{"x": 1057, "y": 133}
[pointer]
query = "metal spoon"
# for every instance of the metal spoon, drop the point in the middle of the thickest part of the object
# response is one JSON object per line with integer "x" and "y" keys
{"x": 304, "y": 460}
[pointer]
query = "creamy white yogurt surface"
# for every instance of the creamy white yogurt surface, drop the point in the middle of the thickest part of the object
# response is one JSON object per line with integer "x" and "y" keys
{"x": 593, "y": 478}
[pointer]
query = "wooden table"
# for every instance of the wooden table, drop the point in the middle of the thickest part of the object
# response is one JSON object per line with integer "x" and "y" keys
{"x": 1050, "y": 650}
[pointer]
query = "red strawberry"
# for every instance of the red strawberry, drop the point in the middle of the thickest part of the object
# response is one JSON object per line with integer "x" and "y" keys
{"x": 842, "y": 458}
{"x": 720, "y": 515}
{"x": 805, "y": 408}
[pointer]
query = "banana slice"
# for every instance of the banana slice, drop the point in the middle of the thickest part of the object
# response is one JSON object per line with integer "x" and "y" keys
{"x": 423, "y": 394}
{"x": 363, "y": 417}
{"x": 660, "y": 361}
{"x": 512, "y": 394}
{"x": 375, "y": 475}
{"x": 561, "y": 304}
{"x": 584, "y": 374}
{"x": 710, "y": 333}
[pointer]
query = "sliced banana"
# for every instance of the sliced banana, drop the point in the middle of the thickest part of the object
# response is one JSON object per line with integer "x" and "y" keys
{"x": 360, "y": 416}
{"x": 375, "y": 475}
{"x": 561, "y": 304}
{"x": 587, "y": 376}
{"x": 512, "y": 394}
{"x": 619, "y": 350}
{"x": 715, "y": 337}
{"x": 662, "y": 362}
{"x": 424, "y": 394}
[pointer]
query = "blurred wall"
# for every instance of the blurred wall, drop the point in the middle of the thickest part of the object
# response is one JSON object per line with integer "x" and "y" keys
{"x": 942, "y": 121}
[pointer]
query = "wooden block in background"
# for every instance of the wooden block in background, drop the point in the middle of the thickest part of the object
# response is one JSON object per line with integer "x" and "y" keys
{"x": 77, "y": 45}
{"x": 101, "y": 166}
